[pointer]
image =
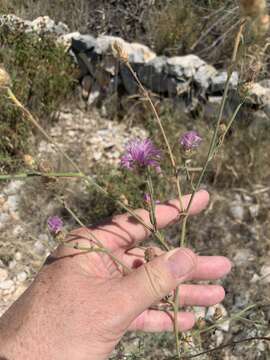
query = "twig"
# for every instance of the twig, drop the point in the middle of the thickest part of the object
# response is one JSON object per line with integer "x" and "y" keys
{"x": 231, "y": 343}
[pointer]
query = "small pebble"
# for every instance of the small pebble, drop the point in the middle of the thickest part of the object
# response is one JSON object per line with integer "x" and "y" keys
{"x": 6, "y": 285}
{"x": 17, "y": 230}
{"x": 18, "y": 256}
{"x": 39, "y": 248}
{"x": 22, "y": 276}
{"x": 13, "y": 187}
{"x": 254, "y": 210}
{"x": 12, "y": 264}
{"x": 265, "y": 274}
{"x": 237, "y": 212}
{"x": 3, "y": 274}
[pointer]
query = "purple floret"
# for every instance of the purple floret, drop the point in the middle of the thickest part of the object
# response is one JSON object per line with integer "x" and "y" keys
{"x": 190, "y": 140}
{"x": 141, "y": 154}
{"x": 55, "y": 224}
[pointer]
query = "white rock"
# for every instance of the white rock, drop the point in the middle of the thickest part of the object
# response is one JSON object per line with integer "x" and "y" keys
{"x": 219, "y": 337}
{"x": 254, "y": 210}
{"x": 3, "y": 274}
{"x": 39, "y": 248}
{"x": 17, "y": 230}
{"x": 18, "y": 256}
{"x": 12, "y": 203}
{"x": 13, "y": 187}
{"x": 265, "y": 274}
{"x": 10, "y": 290}
{"x": 237, "y": 211}
{"x": 199, "y": 311}
{"x": 12, "y": 264}
{"x": 3, "y": 219}
{"x": 21, "y": 276}
{"x": 243, "y": 256}
{"x": 255, "y": 278}
{"x": 6, "y": 284}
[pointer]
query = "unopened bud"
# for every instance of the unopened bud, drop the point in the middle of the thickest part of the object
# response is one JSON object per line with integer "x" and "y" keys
{"x": 28, "y": 160}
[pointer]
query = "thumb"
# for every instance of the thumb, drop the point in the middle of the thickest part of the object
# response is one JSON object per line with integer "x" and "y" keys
{"x": 151, "y": 282}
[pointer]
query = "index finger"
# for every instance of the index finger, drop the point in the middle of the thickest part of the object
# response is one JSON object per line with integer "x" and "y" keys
{"x": 124, "y": 231}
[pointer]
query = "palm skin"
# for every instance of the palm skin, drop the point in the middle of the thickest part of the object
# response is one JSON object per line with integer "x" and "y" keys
{"x": 81, "y": 304}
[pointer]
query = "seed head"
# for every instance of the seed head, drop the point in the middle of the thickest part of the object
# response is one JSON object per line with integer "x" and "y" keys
{"x": 28, "y": 160}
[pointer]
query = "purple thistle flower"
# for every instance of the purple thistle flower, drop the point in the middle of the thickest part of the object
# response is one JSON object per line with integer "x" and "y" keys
{"x": 146, "y": 198}
{"x": 140, "y": 154}
{"x": 190, "y": 140}
{"x": 55, "y": 224}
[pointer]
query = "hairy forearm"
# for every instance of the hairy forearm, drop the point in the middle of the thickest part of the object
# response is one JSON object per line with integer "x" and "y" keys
{"x": 16, "y": 338}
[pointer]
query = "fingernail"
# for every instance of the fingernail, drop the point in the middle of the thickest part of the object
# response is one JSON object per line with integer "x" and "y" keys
{"x": 182, "y": 262}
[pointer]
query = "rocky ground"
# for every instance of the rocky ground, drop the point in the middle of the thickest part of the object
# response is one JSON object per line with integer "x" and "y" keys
{"x": 236, "y": 224}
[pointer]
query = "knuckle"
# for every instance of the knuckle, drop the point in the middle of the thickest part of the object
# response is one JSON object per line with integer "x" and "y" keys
{"x": 155, "y": 281}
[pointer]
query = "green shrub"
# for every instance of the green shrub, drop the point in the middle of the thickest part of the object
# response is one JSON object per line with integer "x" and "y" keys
{"x": 42, "y": 76}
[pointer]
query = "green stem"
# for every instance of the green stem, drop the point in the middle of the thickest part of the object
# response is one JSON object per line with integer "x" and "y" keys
{"x": 101, "y": 247}
{"x": 153, "y": 212}
{"x": 175, "y": 321}
{"x": 23, "y": 176}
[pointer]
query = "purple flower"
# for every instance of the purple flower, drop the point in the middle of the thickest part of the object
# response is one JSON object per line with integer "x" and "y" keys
{"x": 190, "y": 140}
{"x": 146, "y": 198}
{"x": 55, "y": 224}
{"x": 140, "y": 154}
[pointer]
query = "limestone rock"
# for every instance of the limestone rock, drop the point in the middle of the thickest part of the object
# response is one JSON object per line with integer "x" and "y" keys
{"x": 219, "y": 80}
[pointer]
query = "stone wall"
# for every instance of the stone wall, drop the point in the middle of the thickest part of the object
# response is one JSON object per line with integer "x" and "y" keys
{"x": 187, "y": 78}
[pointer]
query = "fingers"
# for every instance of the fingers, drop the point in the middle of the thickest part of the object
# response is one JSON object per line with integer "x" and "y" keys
{"x": 124, "y": 230}
{"x": 158, "y": 321}
{"x": 151, "y": 282}
{"x": 208, "y": 267}
{"x": 200, "y": 295}
{"x": 211, "y": 267}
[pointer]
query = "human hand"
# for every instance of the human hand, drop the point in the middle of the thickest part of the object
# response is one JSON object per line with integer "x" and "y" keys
{"x": 81, "y": 304}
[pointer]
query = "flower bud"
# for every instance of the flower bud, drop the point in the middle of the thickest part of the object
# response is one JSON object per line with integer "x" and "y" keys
{"x": 5, "y": 80}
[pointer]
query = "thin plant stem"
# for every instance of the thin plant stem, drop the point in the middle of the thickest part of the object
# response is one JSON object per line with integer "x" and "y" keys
{"x": 152, "y": 211}
{"x": 23, "y": 176}
{"x": 175, "y": 321}
{"x": 98, "y": 242}
{"x": 213, "y": 142}
{"x": 154, "y": 110}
